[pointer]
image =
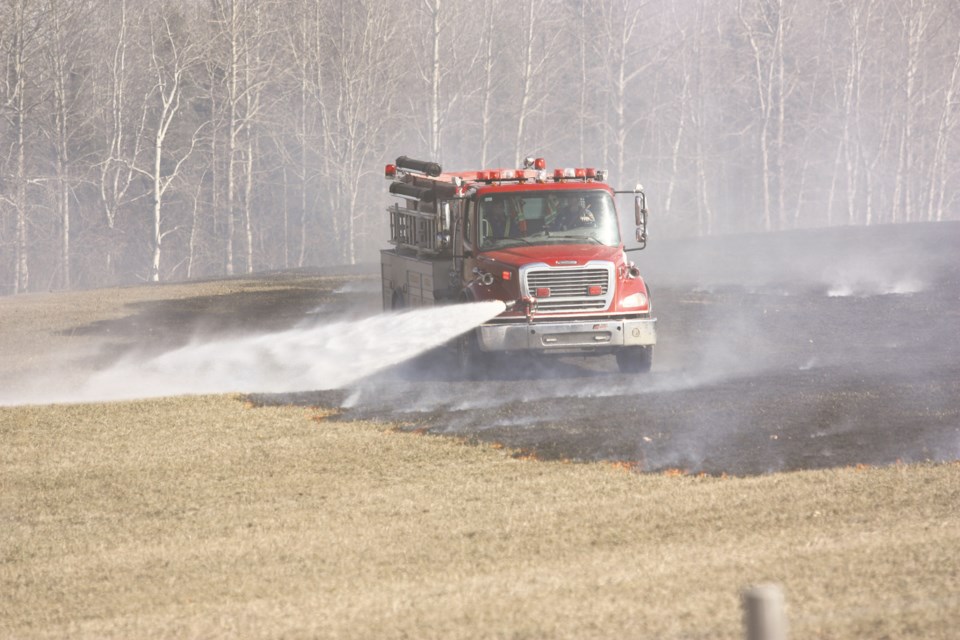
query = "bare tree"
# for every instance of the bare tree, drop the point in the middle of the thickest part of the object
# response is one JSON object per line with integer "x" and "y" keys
{"x": 620, "y": 21}
{"x": 454, "y": 53}
{"x": 68, "y": 77}
{"x": 916, "y": 24}
{"x": 123, "y": 123}
{"x": 727, "y": 107}
{"x": 945, "y": 132}
{"x": 705, "y": 211}
{"x": 356, "y": 101}
{"x": 172, "y": 55}
{"x": 765, "y": 23}
{"x": 532, "y": 62}
{"x": 24, "y": 22}
{"x": 490, "y": 82}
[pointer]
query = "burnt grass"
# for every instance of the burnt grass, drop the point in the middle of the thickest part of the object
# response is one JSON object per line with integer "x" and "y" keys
{"x": 798, "y": 350}
{"x": 777, "y": 352}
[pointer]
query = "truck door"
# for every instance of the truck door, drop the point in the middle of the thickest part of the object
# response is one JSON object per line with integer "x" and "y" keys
{"x": 467, "y": 242}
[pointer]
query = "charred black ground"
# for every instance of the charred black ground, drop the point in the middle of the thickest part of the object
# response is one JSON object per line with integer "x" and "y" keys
{"x": 798, "y": 350}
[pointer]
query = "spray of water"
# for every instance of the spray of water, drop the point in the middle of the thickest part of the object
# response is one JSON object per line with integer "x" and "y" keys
{"x": 308, "y": 357}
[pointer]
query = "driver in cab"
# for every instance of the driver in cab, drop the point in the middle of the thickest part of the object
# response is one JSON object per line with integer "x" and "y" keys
{"x": 503, "y": 224}
{"x": 569, "y": 213}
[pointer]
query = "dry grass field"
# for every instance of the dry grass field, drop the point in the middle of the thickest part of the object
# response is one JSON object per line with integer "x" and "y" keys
{"x": 209, "y": 517}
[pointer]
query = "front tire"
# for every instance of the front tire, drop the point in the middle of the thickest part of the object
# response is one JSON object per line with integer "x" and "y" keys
{"x": 635, "y": 359}
{"x": 471, "y": 361}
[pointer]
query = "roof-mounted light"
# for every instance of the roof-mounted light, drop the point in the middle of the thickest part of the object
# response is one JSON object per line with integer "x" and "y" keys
{"x": 534, "y": 163}
{"x": 590, "y": 173}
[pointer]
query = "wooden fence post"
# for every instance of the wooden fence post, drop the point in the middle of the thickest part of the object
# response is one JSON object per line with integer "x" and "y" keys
{"x": 764, "y": 615}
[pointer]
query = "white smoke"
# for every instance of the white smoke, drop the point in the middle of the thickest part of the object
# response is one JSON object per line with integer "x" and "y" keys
{"x": 864, "y": 278}
{"x": 866, "y": 288}
{"x": 304, "y": 358}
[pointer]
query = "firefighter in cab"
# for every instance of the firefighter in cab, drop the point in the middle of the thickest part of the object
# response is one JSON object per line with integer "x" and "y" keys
{"x": 505, "y": 219}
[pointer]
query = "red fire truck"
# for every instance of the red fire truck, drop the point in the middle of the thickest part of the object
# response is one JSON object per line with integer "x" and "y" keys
{"x": 546, "y": 243}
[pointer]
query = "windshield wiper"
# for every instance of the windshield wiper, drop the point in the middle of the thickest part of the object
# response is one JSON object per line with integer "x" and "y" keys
{"x": 595, "y": 240}
{"x": 523, "y": 240}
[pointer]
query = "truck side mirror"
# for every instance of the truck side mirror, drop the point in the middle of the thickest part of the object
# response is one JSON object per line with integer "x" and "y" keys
{"x": 640, "y": 214}
{"x": 640, "y": 209}
{"x": 446, "y": 219}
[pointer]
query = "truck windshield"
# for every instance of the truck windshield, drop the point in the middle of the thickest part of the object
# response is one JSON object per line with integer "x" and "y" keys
{"x": 547, "y": 217}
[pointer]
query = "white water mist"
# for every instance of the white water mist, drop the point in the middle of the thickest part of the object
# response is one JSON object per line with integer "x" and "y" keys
{"x": 304, "y": 358}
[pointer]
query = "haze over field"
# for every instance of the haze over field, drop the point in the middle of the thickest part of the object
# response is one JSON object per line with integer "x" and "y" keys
{"x": 174, "y": 139}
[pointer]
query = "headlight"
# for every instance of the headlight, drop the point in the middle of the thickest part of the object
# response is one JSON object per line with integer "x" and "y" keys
{"x": 634, "y": 300}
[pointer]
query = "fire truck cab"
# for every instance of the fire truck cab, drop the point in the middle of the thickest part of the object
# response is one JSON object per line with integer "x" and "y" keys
{"x": 546, "y": 243}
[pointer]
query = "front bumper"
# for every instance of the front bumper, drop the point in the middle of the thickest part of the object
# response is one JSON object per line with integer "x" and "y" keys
{"x": 575, "y": 335}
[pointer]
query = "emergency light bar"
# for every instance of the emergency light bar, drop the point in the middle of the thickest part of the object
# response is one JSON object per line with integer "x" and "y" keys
{"x": 578, "y": 173}
{"x": 533, "y": 169}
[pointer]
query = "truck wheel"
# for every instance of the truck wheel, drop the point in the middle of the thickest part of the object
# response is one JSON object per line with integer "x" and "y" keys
{"x": 635, "y": 359}
{"x": 471, "y": 361}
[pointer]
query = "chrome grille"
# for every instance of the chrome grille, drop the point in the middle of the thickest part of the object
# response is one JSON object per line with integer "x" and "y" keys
{"x": 569, "y": 287}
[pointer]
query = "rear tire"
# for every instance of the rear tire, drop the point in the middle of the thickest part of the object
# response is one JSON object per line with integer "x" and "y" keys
{"x": 635, "y": 359}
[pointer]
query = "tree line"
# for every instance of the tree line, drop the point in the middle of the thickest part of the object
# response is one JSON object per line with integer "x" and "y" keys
{"x": 173, "y": 139}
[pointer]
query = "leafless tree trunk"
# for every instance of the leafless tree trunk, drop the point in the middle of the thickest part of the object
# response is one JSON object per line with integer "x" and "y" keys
{"x": 253, "y": 78}
{"x": 355, "y": 110}
{"x": 124, "y": 136}
{"x": 744, "y": 116}
{"x": 433, "y": 8}
{"x": 228, "y": 17}
{"x": 917, "y": 20}
{"x": 489, "y": 83}
{"x": 765, "y": 23}
{"x": 527, "y": 71}
{"x": 704, "y": 209}
{"x": 945, "y": 131}
{"x": 24, "y": 27}
{"x": 619, "y": 21}
{"x": 65, "y": 48}
{"x": 171, "y": 58}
